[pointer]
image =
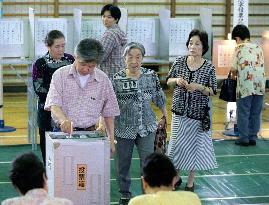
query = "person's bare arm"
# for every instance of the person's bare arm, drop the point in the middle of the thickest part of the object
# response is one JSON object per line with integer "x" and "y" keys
{"x": 109, "y": 122}
{"x": 59, "y": 116}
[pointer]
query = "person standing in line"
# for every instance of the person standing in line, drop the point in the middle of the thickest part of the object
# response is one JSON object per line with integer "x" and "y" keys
{"x": 136, "y": 88}
{"x": 43, "y": 69}
{"x": 28, "y": 176}
{"x": 248, "y": 64}
{"x": 113, "y": 41}
{"x": 194, "y": 79}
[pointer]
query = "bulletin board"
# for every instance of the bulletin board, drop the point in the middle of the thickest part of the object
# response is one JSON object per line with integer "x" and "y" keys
{"x": 223, "y": 51}
{"x": 179, "y": 32}
{"x": 13, "y": 34}
{"x": 144, "y": 31}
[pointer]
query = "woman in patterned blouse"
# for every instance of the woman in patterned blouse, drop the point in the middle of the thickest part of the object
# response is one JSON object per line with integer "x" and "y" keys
{"x": 135, "y": 88}
{"x": 43, "y": 69}
{"x": 190, "y": 147}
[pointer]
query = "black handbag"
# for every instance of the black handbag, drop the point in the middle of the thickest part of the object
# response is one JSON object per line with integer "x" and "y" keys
{"x": 228, "y": 89}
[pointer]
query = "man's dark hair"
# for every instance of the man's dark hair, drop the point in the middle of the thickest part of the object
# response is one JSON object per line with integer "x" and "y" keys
{"x": 27, "y": 172}
{"x": 114, "y": 11}
{"x": 51, "y": 36}
{"x": 203, "y": 38}
{"x": 240, "y": 31}
{"x": 90, "y": 50}
{"x": 158, "y": 170}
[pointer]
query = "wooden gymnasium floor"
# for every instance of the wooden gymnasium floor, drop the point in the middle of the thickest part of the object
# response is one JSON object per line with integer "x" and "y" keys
{"x": 16, "y": 114}
{"x": 242, "y": 176}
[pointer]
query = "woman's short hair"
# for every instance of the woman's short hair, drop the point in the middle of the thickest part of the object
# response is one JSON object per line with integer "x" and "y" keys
{"x": 202, "y": 36}
{"x": 90, "y": 50}
{"x": 158, "y": 170}
{"x": 134, "y": 45}
{"x": 240, "y": 31}
{"x": 51, "y": 36}
{"x": 114, "y": 11}
{"x": 27, "y": 172}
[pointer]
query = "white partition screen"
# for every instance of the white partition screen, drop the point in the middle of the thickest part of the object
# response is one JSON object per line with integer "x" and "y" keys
{"x": 13, "y": 39}
{"x": 92, "y": 28}
{"x": 179, "y": 32}
{"x": 43, "y": 26}
{"x": 144, "y": 31}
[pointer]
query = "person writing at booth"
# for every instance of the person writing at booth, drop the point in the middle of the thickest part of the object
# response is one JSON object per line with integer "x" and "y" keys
{"x": 43, "y": 69}
{"x": 80, "y": 93}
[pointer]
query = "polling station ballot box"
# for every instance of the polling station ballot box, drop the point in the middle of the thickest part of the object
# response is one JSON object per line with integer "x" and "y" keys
{"x": 78, "y": 167}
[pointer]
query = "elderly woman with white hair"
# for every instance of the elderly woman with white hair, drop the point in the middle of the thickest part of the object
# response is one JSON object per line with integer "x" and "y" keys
{"x": 135, "y": 87}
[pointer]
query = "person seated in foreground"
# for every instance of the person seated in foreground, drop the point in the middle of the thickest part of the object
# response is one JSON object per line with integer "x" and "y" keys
{"x": 159, "y": 175}
{"x": 29, "y": 179}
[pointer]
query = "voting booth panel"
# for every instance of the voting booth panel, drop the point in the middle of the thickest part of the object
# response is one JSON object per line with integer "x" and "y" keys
{"x": 92, "y": 28}
{"x": 14, "y": 39}
{"x": 144, "y": 31}
{"x": 45, "y": 25}
{"x": 178, "y": 35}
{"x": 78, "y": 168}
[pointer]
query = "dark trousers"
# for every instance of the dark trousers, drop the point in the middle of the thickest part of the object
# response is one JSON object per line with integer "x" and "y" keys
{"x": 249, "y": 111}
{"x": 43, "y": 144}
{"x": 124, "y": 151}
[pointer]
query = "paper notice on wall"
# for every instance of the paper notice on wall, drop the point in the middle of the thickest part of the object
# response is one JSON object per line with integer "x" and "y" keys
{"x": 225, "y": 55}
{"x": 143, "y": 31}
{"x": 11, "y": 32}
{"x": 179, "y": 32}
{"x": 240, "y": 12}
{"x": 43, "y": 26}
{"x": 92, "y": 29}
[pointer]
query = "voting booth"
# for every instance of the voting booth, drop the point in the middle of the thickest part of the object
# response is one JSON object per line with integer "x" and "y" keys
{"x": 180, "y": 29}
{"x": 78, "y": 167}
{"x": 14, "y": 44}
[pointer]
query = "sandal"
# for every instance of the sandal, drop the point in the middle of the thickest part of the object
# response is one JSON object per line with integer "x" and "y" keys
{"x": 189, "y": 188}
